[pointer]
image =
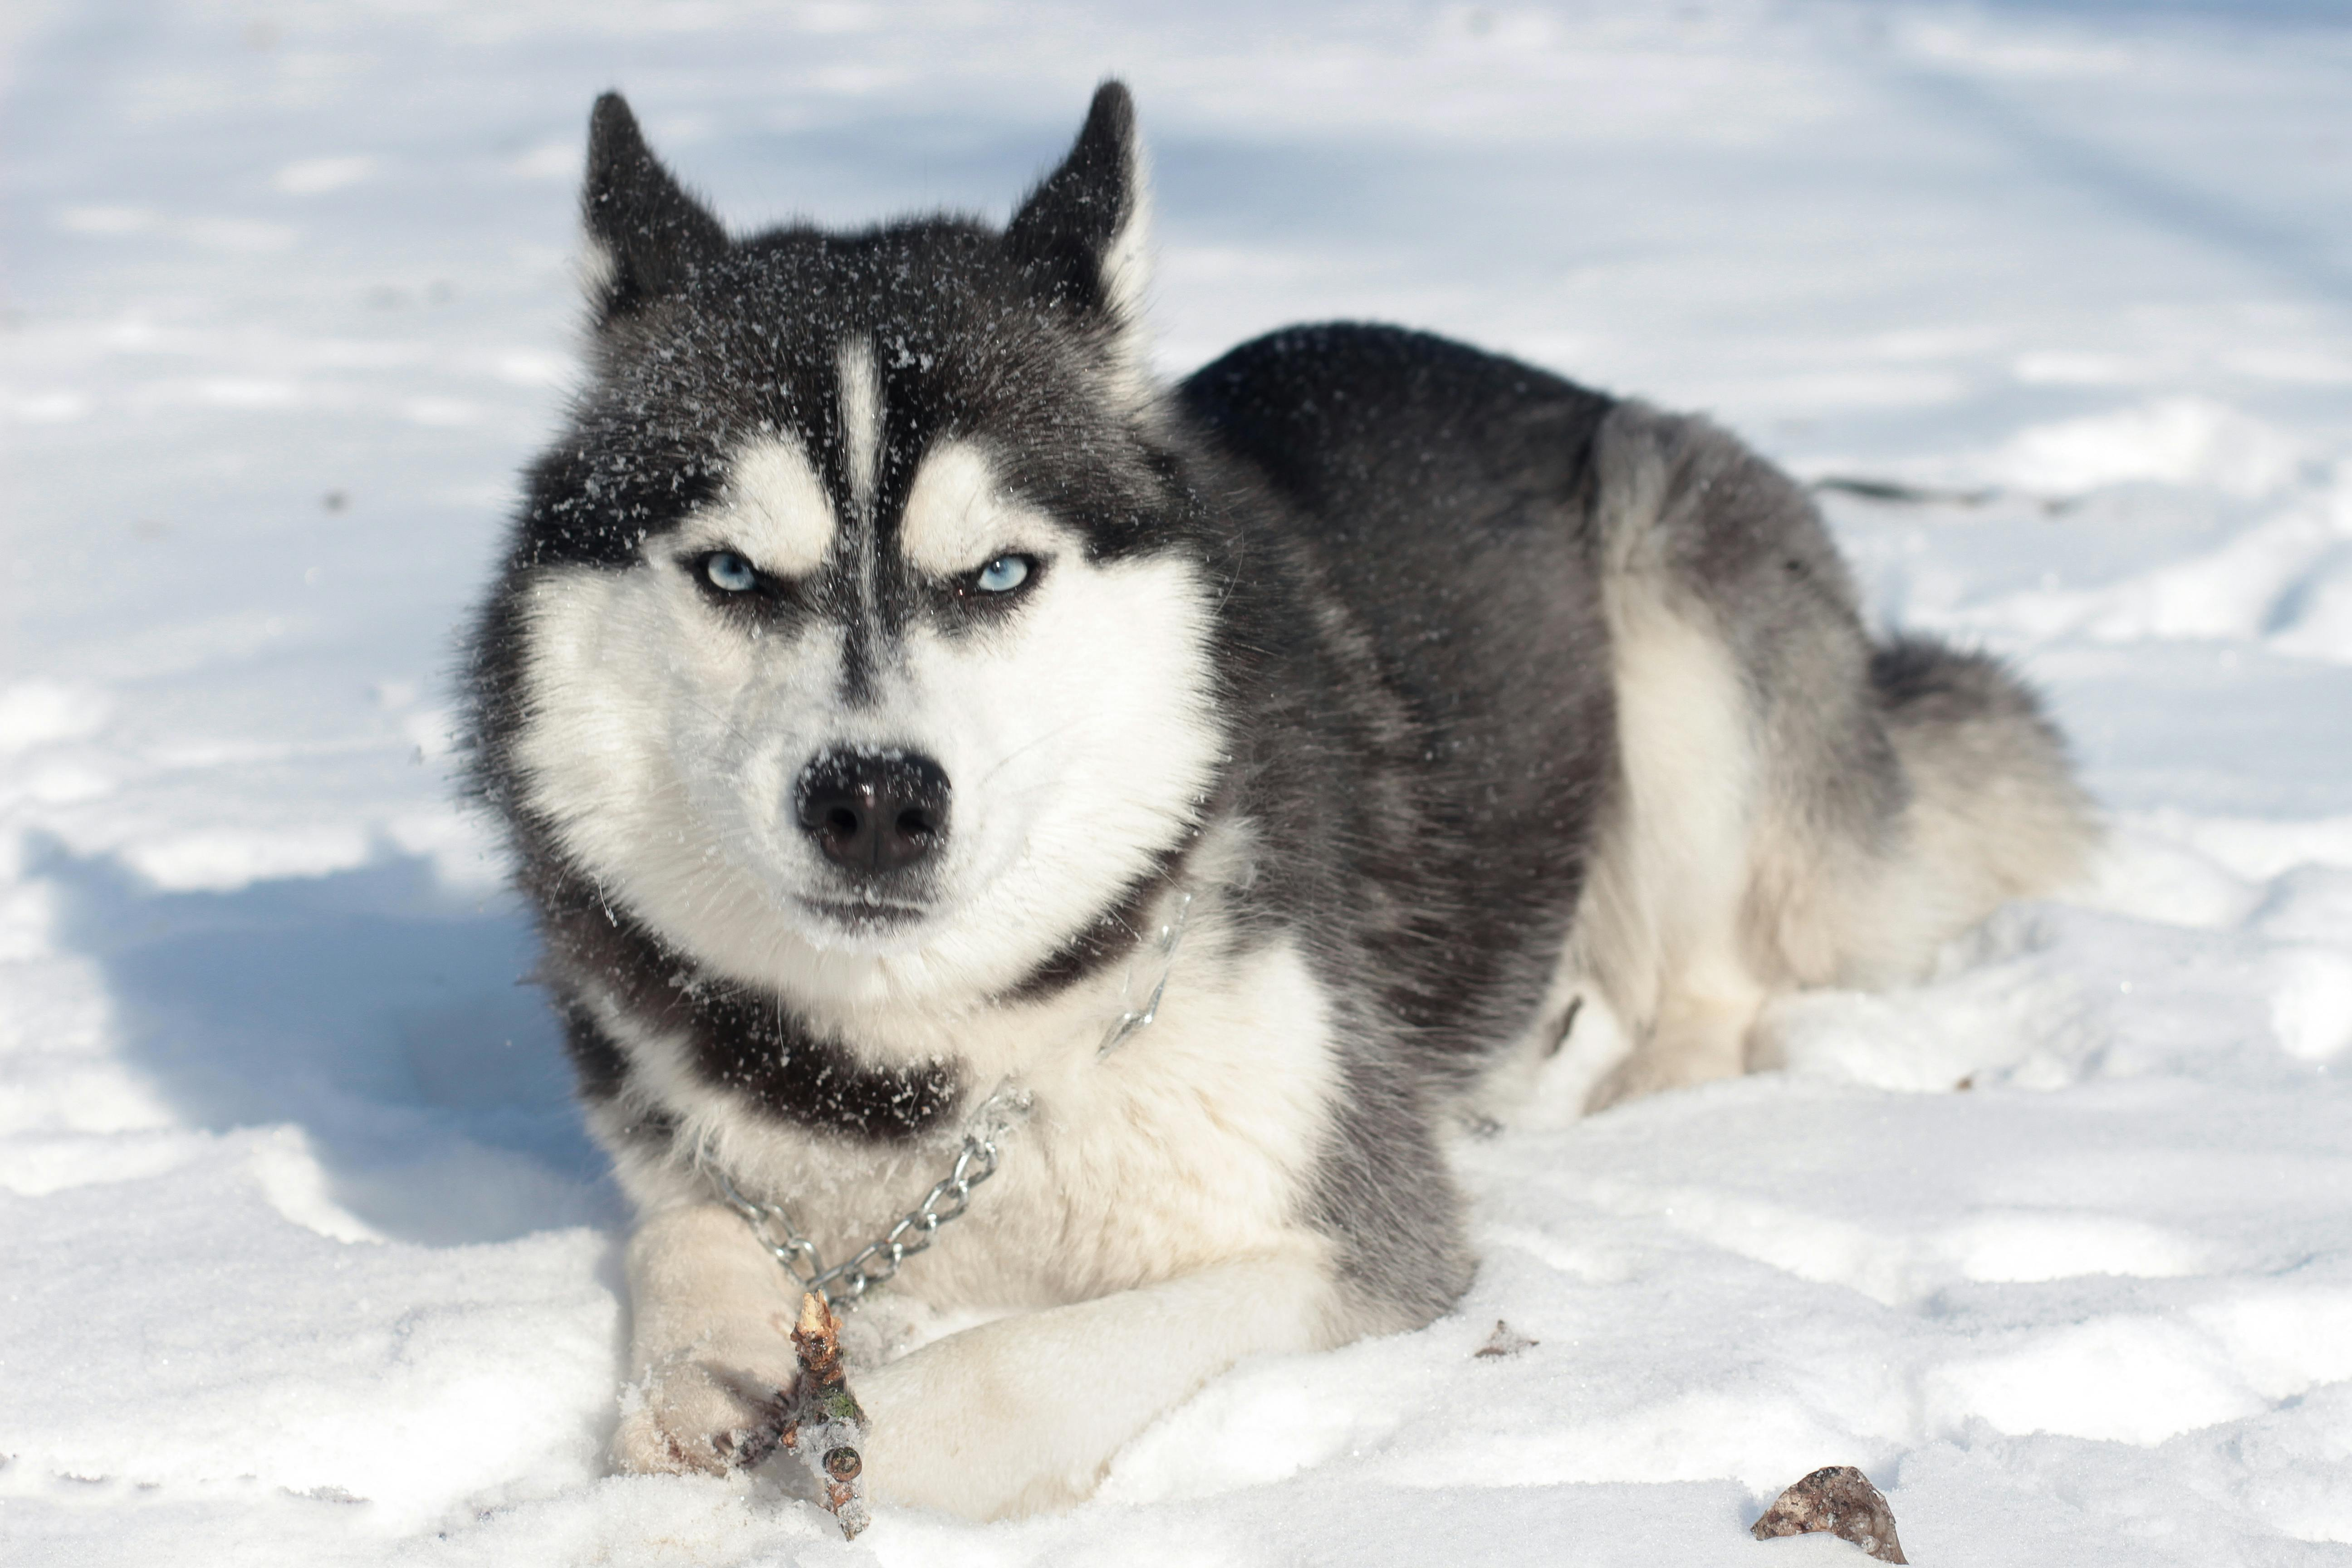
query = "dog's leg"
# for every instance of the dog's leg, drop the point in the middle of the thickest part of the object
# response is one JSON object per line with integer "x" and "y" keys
{"x": 1701, "y": 1033}
{"x": 1663, "y": 923}
{"x": 1026, "y": 1413}
{"x": 709, "y": 1345}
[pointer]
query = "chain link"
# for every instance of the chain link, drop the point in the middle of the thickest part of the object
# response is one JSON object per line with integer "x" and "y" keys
{"x": 1132, "y": 1020}
{"x": 843, "y": 1285}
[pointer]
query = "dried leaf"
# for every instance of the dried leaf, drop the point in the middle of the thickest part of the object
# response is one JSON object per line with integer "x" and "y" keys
{"x": 1838, "y": 1500}
{"x": 1505, "y": 1340}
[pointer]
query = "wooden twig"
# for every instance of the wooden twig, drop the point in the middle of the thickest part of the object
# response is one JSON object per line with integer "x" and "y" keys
{"x": 1898, "y": 493}
{"x": 825, "y": 1428}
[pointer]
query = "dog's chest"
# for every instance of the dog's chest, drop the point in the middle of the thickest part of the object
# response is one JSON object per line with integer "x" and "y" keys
{"x": 1190, "y": 1141}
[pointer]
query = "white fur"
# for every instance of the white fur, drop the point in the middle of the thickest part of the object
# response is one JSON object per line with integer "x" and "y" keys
{"x": 1656, "y": 964}
{"x": 1027, "y": 1412}
{"x": 709, "y": 1340}
{"x": 773, "y": 511}
{"x": 958, "y": 517}
{"x": 1125, "y": 275}
{"x": 595, "y": 268}
{"x": 1660, "y": 920}
{"x": 1127, "y": 260}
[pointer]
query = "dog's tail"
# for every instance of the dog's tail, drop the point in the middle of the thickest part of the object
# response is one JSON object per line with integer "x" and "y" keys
{"x": 1995, "y": 812}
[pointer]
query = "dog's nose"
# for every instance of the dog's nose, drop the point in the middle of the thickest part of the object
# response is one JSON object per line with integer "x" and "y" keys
{"x": 874, "y": 811}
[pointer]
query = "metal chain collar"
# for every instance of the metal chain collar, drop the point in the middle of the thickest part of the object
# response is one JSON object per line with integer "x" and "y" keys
{"x": 843, "y": 1285}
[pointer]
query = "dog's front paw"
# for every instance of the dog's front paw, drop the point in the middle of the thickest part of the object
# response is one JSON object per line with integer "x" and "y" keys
{"x": 699, "y": 1413}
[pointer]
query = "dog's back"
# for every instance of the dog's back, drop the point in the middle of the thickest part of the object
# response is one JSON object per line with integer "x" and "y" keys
{"x": 1646, "y": 698}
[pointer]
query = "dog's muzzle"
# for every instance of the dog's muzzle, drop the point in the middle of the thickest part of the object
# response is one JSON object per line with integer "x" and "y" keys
{"x": 873, "y": 813}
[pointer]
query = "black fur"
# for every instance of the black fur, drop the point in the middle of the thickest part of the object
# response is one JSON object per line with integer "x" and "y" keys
{"x": 1110, "y": 936}
{"x": 1427, "y": 724}
{"x": 740, "y": 1039}
{"x": 654, "y": 236}
{"x": 1062, "y": 233}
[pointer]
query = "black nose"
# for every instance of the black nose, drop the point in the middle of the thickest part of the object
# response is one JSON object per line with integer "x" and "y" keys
{"x": 873, "y": 812}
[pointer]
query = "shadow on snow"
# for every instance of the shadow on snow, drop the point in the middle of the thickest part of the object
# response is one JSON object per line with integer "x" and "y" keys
{"x": 390, "y": 1019}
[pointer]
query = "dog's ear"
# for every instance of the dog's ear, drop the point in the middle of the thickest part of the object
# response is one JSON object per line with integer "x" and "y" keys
{"x": 645, "y": 236}
{"x": 1082, "y": 236}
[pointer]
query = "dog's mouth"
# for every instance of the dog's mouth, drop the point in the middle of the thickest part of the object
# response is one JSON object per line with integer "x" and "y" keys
{"x": 864, "y": 917}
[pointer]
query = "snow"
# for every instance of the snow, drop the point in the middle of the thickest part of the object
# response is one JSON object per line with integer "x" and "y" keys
{"x": 306, "y": 1258}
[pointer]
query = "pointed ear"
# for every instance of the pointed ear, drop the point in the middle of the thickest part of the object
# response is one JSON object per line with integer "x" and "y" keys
{"x": 645, "y": 236}
{"x": 1082, "y": 236}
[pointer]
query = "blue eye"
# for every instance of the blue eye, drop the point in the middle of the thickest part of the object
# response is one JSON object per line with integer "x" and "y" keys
{"x": 729, "y": 570}
{"x": 1004, "y": 574}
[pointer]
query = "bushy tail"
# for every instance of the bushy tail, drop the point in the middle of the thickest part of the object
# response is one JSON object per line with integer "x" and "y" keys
{"x": 1995, "y": 811}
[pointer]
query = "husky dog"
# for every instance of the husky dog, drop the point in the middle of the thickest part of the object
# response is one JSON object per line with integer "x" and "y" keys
{"x": 927, "y": 738}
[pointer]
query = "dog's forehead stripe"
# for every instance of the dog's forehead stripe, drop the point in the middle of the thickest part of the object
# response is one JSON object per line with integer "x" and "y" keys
{"x": 861, "y": 423}
{"x": 861, "y": 415}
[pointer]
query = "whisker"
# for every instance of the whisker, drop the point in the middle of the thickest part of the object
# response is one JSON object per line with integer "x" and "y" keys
{"x": 1017, "y": 752}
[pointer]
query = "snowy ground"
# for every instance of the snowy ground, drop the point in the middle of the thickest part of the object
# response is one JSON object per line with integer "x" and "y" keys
{"x": 303, "y": 1258}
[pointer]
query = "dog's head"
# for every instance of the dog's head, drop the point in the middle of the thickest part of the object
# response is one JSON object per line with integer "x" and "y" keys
{"x": 857, "y": 628}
